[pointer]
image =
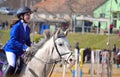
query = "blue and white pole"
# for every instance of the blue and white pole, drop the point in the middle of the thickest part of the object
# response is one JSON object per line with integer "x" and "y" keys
{"x": 77, "y": 64}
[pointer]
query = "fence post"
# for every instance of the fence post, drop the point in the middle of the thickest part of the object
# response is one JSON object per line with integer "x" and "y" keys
{"x": 64, "y": 69}
{"x": 92, "y": 63}
{"x": 97, "y": 61}
{"x": 81, "y": 61}
{"x": 77, "y": 64}
{"x": 104, "y": 58}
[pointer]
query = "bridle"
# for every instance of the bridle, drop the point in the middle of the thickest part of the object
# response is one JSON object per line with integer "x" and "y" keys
{"x": 60, "y": 55}
{"x": 55, "y": 46}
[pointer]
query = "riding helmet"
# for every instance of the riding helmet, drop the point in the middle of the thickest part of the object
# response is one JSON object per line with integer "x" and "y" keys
{"x": 23, "y": 10}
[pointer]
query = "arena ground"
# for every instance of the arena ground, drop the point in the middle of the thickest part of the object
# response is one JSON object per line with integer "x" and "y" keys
{"x": 86, "y": 71}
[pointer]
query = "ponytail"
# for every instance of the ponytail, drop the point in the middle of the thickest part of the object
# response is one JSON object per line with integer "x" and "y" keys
{"x": 13, "y": 23}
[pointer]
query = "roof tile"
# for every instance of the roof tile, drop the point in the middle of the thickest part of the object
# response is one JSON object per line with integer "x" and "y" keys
{"x": 68, "y": 6}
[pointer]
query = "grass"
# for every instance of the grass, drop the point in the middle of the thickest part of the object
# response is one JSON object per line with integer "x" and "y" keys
{"x": 4, "y": 36}
{"x": 94, "y": 41}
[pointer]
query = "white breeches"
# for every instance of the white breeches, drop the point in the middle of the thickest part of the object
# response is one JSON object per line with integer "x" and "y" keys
{"x": 11, "y": 58}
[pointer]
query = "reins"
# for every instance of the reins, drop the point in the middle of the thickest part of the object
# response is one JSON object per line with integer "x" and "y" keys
{"x": 53, "y": 62}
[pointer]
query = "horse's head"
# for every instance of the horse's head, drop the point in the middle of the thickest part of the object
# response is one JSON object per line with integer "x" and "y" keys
{"x": 61, "y": 47}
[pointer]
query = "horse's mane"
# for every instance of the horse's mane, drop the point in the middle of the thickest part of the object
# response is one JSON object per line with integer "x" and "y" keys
{"x": 34, "y": 48}
{"x": 38, "y": 45}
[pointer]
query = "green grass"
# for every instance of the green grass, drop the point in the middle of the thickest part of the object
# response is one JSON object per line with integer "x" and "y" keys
{"x": 36, "y": 37}
{"x": 94, "y": 41}
{"x": 4, "y": 36}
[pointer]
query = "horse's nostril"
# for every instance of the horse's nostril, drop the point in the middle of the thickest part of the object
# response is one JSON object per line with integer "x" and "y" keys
{"x": 70, "y": 59}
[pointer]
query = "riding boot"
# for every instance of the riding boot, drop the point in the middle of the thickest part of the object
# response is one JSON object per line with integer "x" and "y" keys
{"x": 8, "y": 72}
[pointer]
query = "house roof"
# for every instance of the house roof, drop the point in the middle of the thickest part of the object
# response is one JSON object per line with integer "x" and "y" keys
{"x": 84, "y": 7}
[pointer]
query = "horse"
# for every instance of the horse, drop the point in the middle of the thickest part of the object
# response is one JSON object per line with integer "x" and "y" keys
{"x": 117, "y": 58}
{"x": 56, "y": 49}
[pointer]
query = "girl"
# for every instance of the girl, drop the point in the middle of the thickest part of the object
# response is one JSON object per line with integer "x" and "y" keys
{"x": 19, "y": 39}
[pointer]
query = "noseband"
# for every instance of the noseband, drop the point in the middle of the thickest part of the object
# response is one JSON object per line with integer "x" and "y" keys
{"x": 56, "y": 61}
{"x": 60, "y": 55}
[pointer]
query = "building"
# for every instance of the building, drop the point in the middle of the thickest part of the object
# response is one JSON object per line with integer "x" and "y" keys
{"x": 65, "y": 10}
{"x": 110, "y": 10}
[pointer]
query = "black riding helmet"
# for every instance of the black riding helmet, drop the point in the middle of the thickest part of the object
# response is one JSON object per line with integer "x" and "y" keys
{"x": 22, "y": 11}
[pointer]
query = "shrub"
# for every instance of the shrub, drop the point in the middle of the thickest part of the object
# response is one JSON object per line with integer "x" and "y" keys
{"x": 36, "y": 37}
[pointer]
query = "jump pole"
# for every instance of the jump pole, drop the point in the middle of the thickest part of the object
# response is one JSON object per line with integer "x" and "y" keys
{"x": 103, "y": 64}
{"x": 97, "y": 61}
{"x": 92, "y": 63}
{"x": 81, "y": 61}
{"x": 77, "y": 57}
{"x": 77, "y": 64}
{"x": 64, "y": 69}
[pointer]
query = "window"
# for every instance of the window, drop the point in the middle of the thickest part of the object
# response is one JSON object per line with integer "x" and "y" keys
{"x": 119, "y": 15}
{"x": 102, "y": 15}
{"x": 115, "y": 15}
{"x": 61, "y": 16}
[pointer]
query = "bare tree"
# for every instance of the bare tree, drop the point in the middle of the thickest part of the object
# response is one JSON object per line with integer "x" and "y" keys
{"x": 73, "y": 6}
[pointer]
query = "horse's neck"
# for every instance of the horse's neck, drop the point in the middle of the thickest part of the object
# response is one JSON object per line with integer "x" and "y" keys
{"x": 45, "y": 51}
{"x": 42, "y": 59}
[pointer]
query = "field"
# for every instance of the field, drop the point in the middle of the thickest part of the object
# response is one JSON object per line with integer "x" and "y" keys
{"x": 86, "y": 71}
{"x": 94, "y": 41}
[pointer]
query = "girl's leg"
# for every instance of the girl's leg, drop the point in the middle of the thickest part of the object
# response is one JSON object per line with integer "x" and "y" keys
{"x": 11, "y": 58}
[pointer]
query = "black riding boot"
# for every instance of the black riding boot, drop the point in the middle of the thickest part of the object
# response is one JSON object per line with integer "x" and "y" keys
{"x": 8, "y": 71}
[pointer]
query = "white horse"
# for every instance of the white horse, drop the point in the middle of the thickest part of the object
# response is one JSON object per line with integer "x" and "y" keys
{"x": 55, "y": 49}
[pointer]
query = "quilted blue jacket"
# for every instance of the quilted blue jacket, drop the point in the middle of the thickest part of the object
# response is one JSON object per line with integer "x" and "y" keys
{"x": 19, "y": 39}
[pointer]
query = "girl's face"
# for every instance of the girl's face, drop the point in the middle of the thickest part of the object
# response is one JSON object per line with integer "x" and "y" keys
{"x": 27, "y": 17}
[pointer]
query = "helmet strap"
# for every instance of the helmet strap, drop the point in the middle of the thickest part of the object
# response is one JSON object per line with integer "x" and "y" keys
{"x": 24, "y": 21}
{"x": 22, "y": 18}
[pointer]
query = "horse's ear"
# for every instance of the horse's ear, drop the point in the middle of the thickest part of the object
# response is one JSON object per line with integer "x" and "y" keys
{"x": 66, "y": 32}
{"x": 57, "y": 32}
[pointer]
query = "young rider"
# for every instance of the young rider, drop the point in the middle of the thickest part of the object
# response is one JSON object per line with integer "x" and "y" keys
{"x": 19, "y": 41}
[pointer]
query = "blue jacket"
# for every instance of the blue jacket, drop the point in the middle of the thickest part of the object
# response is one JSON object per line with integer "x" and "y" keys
{"x": 19, "y": 39}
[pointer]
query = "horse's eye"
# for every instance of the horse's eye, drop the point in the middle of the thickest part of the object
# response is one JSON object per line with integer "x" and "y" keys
{"x": 60, "y": 44}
